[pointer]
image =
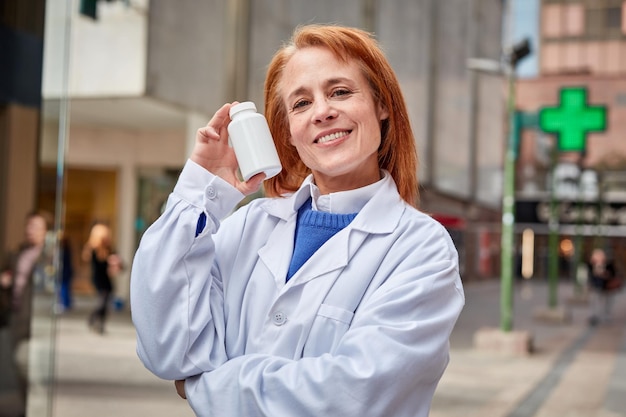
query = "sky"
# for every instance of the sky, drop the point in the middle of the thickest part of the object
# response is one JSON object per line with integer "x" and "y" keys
{"x": 525, "y": 23}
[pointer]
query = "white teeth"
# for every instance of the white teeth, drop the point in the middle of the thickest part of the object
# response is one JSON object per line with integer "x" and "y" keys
{"x": 332, "y": 136}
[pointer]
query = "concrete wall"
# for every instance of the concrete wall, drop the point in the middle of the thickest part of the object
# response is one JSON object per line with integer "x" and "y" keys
{"x": 186, "y": 50}
{"x": 108, "y": 55}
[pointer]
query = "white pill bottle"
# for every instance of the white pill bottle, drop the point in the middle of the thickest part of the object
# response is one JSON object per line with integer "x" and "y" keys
{"x": 252, "y": 142}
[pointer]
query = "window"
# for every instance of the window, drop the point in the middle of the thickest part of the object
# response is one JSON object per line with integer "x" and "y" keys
{"x": 613, "y": 18}
{"x": 604, "y": 21}
{"x": 563, "y": 20}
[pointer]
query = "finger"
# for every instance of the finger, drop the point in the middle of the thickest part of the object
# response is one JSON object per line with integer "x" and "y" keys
{"x": 253, "y": 184}
{"x": 216, "y": 126}
{"x": 180, "y": 388}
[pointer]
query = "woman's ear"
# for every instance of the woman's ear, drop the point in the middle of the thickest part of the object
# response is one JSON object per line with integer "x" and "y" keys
{"x": 383, "y": 113}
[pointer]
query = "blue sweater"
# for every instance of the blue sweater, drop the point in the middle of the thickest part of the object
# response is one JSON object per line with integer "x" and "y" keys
{"x": 312, "y": 230}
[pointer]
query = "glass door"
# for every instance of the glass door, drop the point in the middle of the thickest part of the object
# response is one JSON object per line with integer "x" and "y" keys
{"x": 41, "y": 353}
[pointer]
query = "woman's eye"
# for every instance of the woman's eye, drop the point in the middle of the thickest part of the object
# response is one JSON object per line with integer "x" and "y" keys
{"x": 341, "y": 92}
{"x": 300, "y": 104}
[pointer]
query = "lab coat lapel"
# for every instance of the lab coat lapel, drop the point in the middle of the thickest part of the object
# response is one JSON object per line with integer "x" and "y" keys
{"x": 335, "y": 254}
{"x": 380, "y": 215}
{"x": 276, "y": 254}
{"x": 331, "y": 256}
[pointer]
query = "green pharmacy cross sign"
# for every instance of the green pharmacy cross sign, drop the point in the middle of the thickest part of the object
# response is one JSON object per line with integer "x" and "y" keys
{"x": 572, "y": 119}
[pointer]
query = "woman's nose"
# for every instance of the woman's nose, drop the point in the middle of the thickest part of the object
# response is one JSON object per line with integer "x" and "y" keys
{"x": 323, "y": 111}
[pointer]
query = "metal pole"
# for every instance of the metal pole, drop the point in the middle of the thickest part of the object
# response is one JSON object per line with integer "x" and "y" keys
{"x": 553, "y": 237}
{"x": 508, "y": 213}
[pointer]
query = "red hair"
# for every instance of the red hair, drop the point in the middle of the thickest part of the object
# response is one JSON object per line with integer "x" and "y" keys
{"x": 397, "y": 153}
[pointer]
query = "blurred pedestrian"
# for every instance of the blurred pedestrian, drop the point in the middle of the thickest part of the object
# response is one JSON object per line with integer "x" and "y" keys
{"x": 98, "y": 251}
{"x": 333, "y": 296}
{"x": 23, "y": 269}
{"x": 65, "y": 301}
{"x": 604, "y": 284}
{"x": 29, "y": 266}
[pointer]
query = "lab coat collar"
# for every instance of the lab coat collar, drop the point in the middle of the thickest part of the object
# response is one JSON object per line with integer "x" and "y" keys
{"x": 380, "y": 215}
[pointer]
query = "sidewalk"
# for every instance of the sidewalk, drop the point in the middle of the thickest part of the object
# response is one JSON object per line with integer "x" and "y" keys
{"x": 100, "y": 375}
{"x": 576, "y": 370}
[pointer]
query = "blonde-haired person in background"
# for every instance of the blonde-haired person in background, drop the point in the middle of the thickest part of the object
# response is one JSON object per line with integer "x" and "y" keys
{"x": 98, "y": 251}
{"x": 333, "y": 296}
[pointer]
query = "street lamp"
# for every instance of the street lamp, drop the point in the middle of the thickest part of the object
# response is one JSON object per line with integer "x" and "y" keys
{"x": 489, "y": 66}
{"x": 511, "y": 57}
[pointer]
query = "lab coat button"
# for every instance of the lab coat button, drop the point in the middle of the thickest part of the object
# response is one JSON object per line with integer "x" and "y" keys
{"x": 211, "y": 192}
{"x": 279, "y": 318}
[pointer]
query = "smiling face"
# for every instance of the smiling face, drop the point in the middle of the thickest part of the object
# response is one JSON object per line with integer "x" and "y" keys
{"x": 333, "y": 120}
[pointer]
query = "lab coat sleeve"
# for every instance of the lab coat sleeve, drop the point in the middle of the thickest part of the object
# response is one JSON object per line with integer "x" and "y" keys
{"x": 387, "y": 364}
{"x": 176, "y": 292}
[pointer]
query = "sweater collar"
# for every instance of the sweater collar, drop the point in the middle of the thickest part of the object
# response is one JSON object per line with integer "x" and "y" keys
{"x": 379, "y": 214}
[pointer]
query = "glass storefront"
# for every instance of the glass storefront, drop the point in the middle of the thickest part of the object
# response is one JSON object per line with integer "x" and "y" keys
{"x": 41, "y": 352}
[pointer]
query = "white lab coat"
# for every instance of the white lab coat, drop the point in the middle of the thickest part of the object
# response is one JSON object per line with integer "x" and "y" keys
{"x": 361, "y": 329}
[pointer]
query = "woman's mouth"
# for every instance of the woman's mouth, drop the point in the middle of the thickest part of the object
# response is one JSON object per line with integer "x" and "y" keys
{"x": 332, "y": 136}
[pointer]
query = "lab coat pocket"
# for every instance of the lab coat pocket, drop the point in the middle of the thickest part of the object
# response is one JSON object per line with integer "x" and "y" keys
{"x": 329, "y": 326}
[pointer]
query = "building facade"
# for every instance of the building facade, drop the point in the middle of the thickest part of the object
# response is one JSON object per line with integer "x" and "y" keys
{"x": 583, "y": 46}
{"x": 21, "y": 39}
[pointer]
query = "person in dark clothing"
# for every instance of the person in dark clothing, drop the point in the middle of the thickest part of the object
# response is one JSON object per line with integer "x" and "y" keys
{"x": 66, "y": 276}
{"x": 98, "y": 251}
{"x": 21, "y": 275}
{"x": 602, "y": 278}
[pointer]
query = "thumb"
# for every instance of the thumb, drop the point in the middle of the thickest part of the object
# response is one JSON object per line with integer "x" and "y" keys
{"x": 253, "y": 184}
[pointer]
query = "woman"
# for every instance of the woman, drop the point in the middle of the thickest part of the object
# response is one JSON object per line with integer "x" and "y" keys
{"x": 98, "y": 252}
{"x": 334, "y": 296}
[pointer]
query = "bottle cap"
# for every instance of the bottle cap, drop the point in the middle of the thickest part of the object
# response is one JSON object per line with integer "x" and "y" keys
{"x": 246, "y": 105}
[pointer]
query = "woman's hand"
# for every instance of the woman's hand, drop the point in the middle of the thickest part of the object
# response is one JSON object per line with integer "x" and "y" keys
{"x": 211, "y": 151}
{"x": 180, "y": 388}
